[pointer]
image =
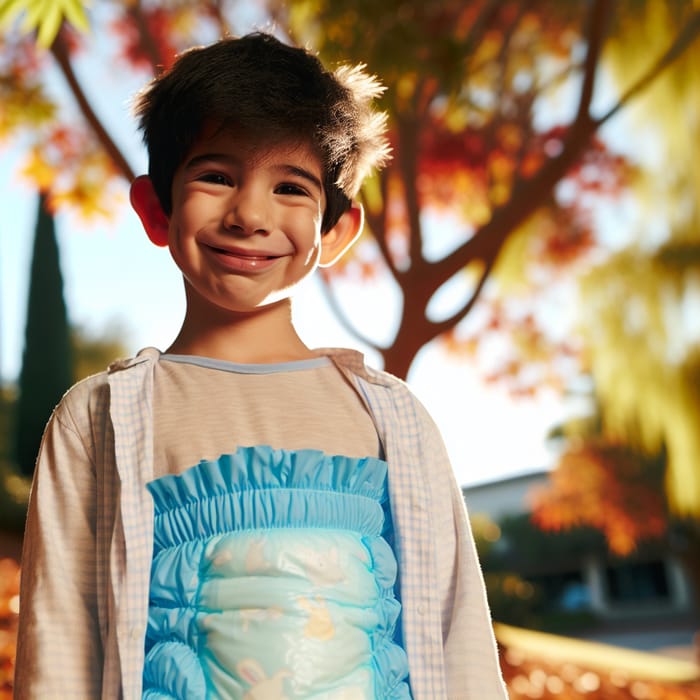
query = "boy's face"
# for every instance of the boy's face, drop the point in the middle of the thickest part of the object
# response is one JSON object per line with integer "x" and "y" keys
{"x": 245, "y": 227}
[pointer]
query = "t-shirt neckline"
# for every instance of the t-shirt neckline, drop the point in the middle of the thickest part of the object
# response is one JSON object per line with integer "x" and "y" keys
{"x": 248, "y": 368}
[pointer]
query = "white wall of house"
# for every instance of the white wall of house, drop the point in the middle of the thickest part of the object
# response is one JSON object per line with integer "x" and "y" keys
{"x": 497, "y": 499}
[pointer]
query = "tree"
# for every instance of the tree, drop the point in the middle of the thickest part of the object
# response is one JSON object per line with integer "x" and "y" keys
{"x": 46, "y": 363}
{"x": 470, "y": 85}
{"x": 646, "y": 356}
{"x": 90, "y": 354}
{"x": 617, "y": 489}
{"x": 605, "y": 486}
{"x": 635, "y": 474}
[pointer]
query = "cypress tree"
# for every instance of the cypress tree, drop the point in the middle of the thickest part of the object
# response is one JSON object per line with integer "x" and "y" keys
{"x": 46, "y": 362}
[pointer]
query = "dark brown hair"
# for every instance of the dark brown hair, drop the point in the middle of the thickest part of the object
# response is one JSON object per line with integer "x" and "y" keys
{"x": 262, "y": 86}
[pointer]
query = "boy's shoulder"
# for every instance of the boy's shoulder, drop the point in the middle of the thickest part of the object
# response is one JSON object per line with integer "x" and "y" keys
{"x": 353, "y": 361}
{"x": 146, "y": 355}
{"x": 93, "y": 390}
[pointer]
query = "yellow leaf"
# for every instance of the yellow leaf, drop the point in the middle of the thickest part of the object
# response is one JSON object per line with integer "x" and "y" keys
{"x": 74, "y": 11}
{"x": 39, "y": 171}
{"x": 49, "y": 26}
{"x": 9, "y": 9}
{"x": 44, "y": 16}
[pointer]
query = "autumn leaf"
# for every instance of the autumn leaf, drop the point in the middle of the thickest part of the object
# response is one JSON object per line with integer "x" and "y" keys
{"x": 70, "y": 166}
{"x": 39, "y": 170}
{"x": 607, "y": 487}
{"x": 88, "y": 191}
{"x": 44, "y": 16}
{"x": 159, "y": 49}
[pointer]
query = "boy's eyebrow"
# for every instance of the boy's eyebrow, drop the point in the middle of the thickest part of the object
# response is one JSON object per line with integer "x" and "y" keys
{"x": 294, "y": 170}
{"x": 208, "y": 157}
{"x": 302, "y": 173}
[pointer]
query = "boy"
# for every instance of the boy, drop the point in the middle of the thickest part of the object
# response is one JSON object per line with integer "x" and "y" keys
{"x": 240, "y": 516}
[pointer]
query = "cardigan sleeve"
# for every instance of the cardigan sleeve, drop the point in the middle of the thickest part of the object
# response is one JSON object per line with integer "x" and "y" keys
{"x": 471, "y": 662}
{"x": 59, "y": 651}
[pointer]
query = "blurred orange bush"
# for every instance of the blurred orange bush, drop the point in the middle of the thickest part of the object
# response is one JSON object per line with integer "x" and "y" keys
{"x": 9, "y": 607}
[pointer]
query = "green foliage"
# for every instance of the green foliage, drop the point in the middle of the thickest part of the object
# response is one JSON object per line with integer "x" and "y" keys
{"x": 639, "y": 308}
{"x": 455, "y": 44}
{"x": 46, "y": 362}
{"x": 14, "y": 489}
{"x": 522, "y": 567}
{"x": 524, "y": 547}
{"x": 645, "y": 359}
{"x": 92, "y": 354}
{"x": 513, "y": 600}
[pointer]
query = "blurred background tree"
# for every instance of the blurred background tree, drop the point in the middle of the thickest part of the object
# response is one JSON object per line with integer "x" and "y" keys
{"x": 46, "y": 362}
{"x": 490, "y": 173}
{"x": 630, "y": 468}
{"x": 511, "y": 553}
{"x": 89, "y": 354}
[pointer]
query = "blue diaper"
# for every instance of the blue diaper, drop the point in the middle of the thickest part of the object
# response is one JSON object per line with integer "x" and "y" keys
{"x": 273, "y": 578}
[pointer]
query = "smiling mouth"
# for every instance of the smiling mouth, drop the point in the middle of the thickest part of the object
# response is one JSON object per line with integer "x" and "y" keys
{"x": 243, "y": 254}
{"x": 241, "y": 260}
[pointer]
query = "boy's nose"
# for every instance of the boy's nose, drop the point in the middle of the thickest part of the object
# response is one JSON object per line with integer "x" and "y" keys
{"x": 247, "y": 212}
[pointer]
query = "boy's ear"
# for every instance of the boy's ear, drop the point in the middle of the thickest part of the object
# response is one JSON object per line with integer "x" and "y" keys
{"x": 339, "y": 238}
{"x": 146, "y": 204}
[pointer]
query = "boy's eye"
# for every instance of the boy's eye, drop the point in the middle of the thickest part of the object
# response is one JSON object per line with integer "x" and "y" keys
{"x": 214, "y": 178}
{"x": 290, "y": 188}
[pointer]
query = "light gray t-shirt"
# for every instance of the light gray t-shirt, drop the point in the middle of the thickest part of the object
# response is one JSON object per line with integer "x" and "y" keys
{"x": 204, "y": 408}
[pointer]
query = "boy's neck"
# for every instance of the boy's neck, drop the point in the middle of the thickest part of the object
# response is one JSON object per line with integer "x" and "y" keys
{"x": 265, "y": 337}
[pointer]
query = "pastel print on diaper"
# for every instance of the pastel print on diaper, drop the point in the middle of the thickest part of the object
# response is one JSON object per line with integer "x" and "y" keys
{"x": 262, "y": 687}
{"x": 255, "y": 561}
{"x": 319, "y": 624}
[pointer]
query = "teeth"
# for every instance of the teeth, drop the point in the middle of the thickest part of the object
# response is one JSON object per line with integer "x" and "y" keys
{"x": 243, "y": 255}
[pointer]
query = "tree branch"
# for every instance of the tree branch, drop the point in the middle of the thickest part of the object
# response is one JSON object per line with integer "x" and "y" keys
{"x": 426, "y": 91}
{"x": 440, "y": 327}
{"x": 342, "y": 317}
{"x": 508, "y": 34}
{"x": 491, "y": 127}
{"x": 135, "y": 11}
{"x": 685, "y": 38}
{"x": 60, "y": 52}
{"x": 408, "y": 167}
{"x": 481, "y": 24}
{"x": 529, "y": 194}
{"x": 597, "y": 23}
{"x": 377, "y": 224}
